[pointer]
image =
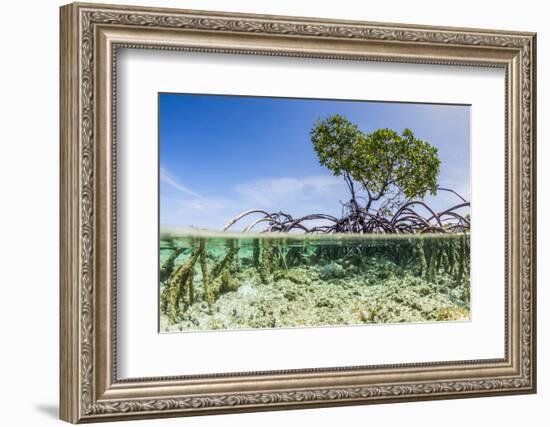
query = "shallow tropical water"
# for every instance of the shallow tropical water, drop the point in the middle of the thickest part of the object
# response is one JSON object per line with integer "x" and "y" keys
{"x": 213, "y": 281}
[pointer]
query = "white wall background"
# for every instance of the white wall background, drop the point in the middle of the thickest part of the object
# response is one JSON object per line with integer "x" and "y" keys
{"x": 29, "y": 170}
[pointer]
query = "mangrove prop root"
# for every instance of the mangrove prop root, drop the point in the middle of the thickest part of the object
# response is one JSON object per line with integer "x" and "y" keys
{"x": 220, "y": 277}
{"x": 225, "y": 263}
{"x": 422, "y": 257}
{"x": 407, "y": 219}
{"x": 256, "y": 253}
{"x": 179, "y": 290}
{"x": 167, "y": 267}
{"x": 179, "y": 281}
{"x": 228, "y": 282}
{"x": 191, "y": 288}
{"x": 434, "y": 256}
{"x": 268, "y": 262}
{"x": 204, "y": 271}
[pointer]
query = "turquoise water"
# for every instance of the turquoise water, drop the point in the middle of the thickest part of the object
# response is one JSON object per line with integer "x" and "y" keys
{"x": 211, "y": 281}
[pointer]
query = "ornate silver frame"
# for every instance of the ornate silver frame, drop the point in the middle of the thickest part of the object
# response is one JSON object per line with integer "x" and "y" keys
{"x": 90, "y": 36}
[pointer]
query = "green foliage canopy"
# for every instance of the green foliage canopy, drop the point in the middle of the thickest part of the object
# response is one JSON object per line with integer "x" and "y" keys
{"x": 384, "y": 163}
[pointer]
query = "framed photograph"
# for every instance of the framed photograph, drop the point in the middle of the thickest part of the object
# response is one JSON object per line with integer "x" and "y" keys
{"x": 266, "y": 212}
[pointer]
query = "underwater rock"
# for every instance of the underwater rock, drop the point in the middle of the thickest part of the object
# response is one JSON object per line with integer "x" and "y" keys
{"x": 448, "y": 313}
{"x": 246, "y": 290}
{"x": 364, "y": 315}
{"x": 332, "y": 270}
{"x": 299, "y": 277}
{"x": 228, "y": 282}
{"x": 324, "y": 301}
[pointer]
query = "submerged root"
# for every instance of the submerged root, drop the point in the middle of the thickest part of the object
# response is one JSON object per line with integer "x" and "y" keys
{"x": 449, "y": 257}
{"x": 221, "y": 278}
{"x": 204, "y": 270}
{"x": 225, "y": 263}
{"x": 167, "y": 268}
{"x": 269, "y": 261}
{"x": 228, "y": 282}
{"x": 179, "y": 290}
{"x": 256, "y": 253}
{"x": 173, "y": 295}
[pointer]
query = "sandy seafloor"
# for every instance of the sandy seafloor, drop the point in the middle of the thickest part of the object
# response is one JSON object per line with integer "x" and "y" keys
{"x": 337, "y": 293}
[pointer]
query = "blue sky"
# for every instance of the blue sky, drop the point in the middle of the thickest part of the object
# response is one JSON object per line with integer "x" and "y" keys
{"x": 221, "y": 155}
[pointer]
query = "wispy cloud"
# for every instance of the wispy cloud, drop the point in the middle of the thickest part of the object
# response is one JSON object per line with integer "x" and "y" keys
{"x": 183, "y": 207}
{"x": 167, "y": 178}
{"x": 297, "y": 196}
{"x": 274, "y": 192}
